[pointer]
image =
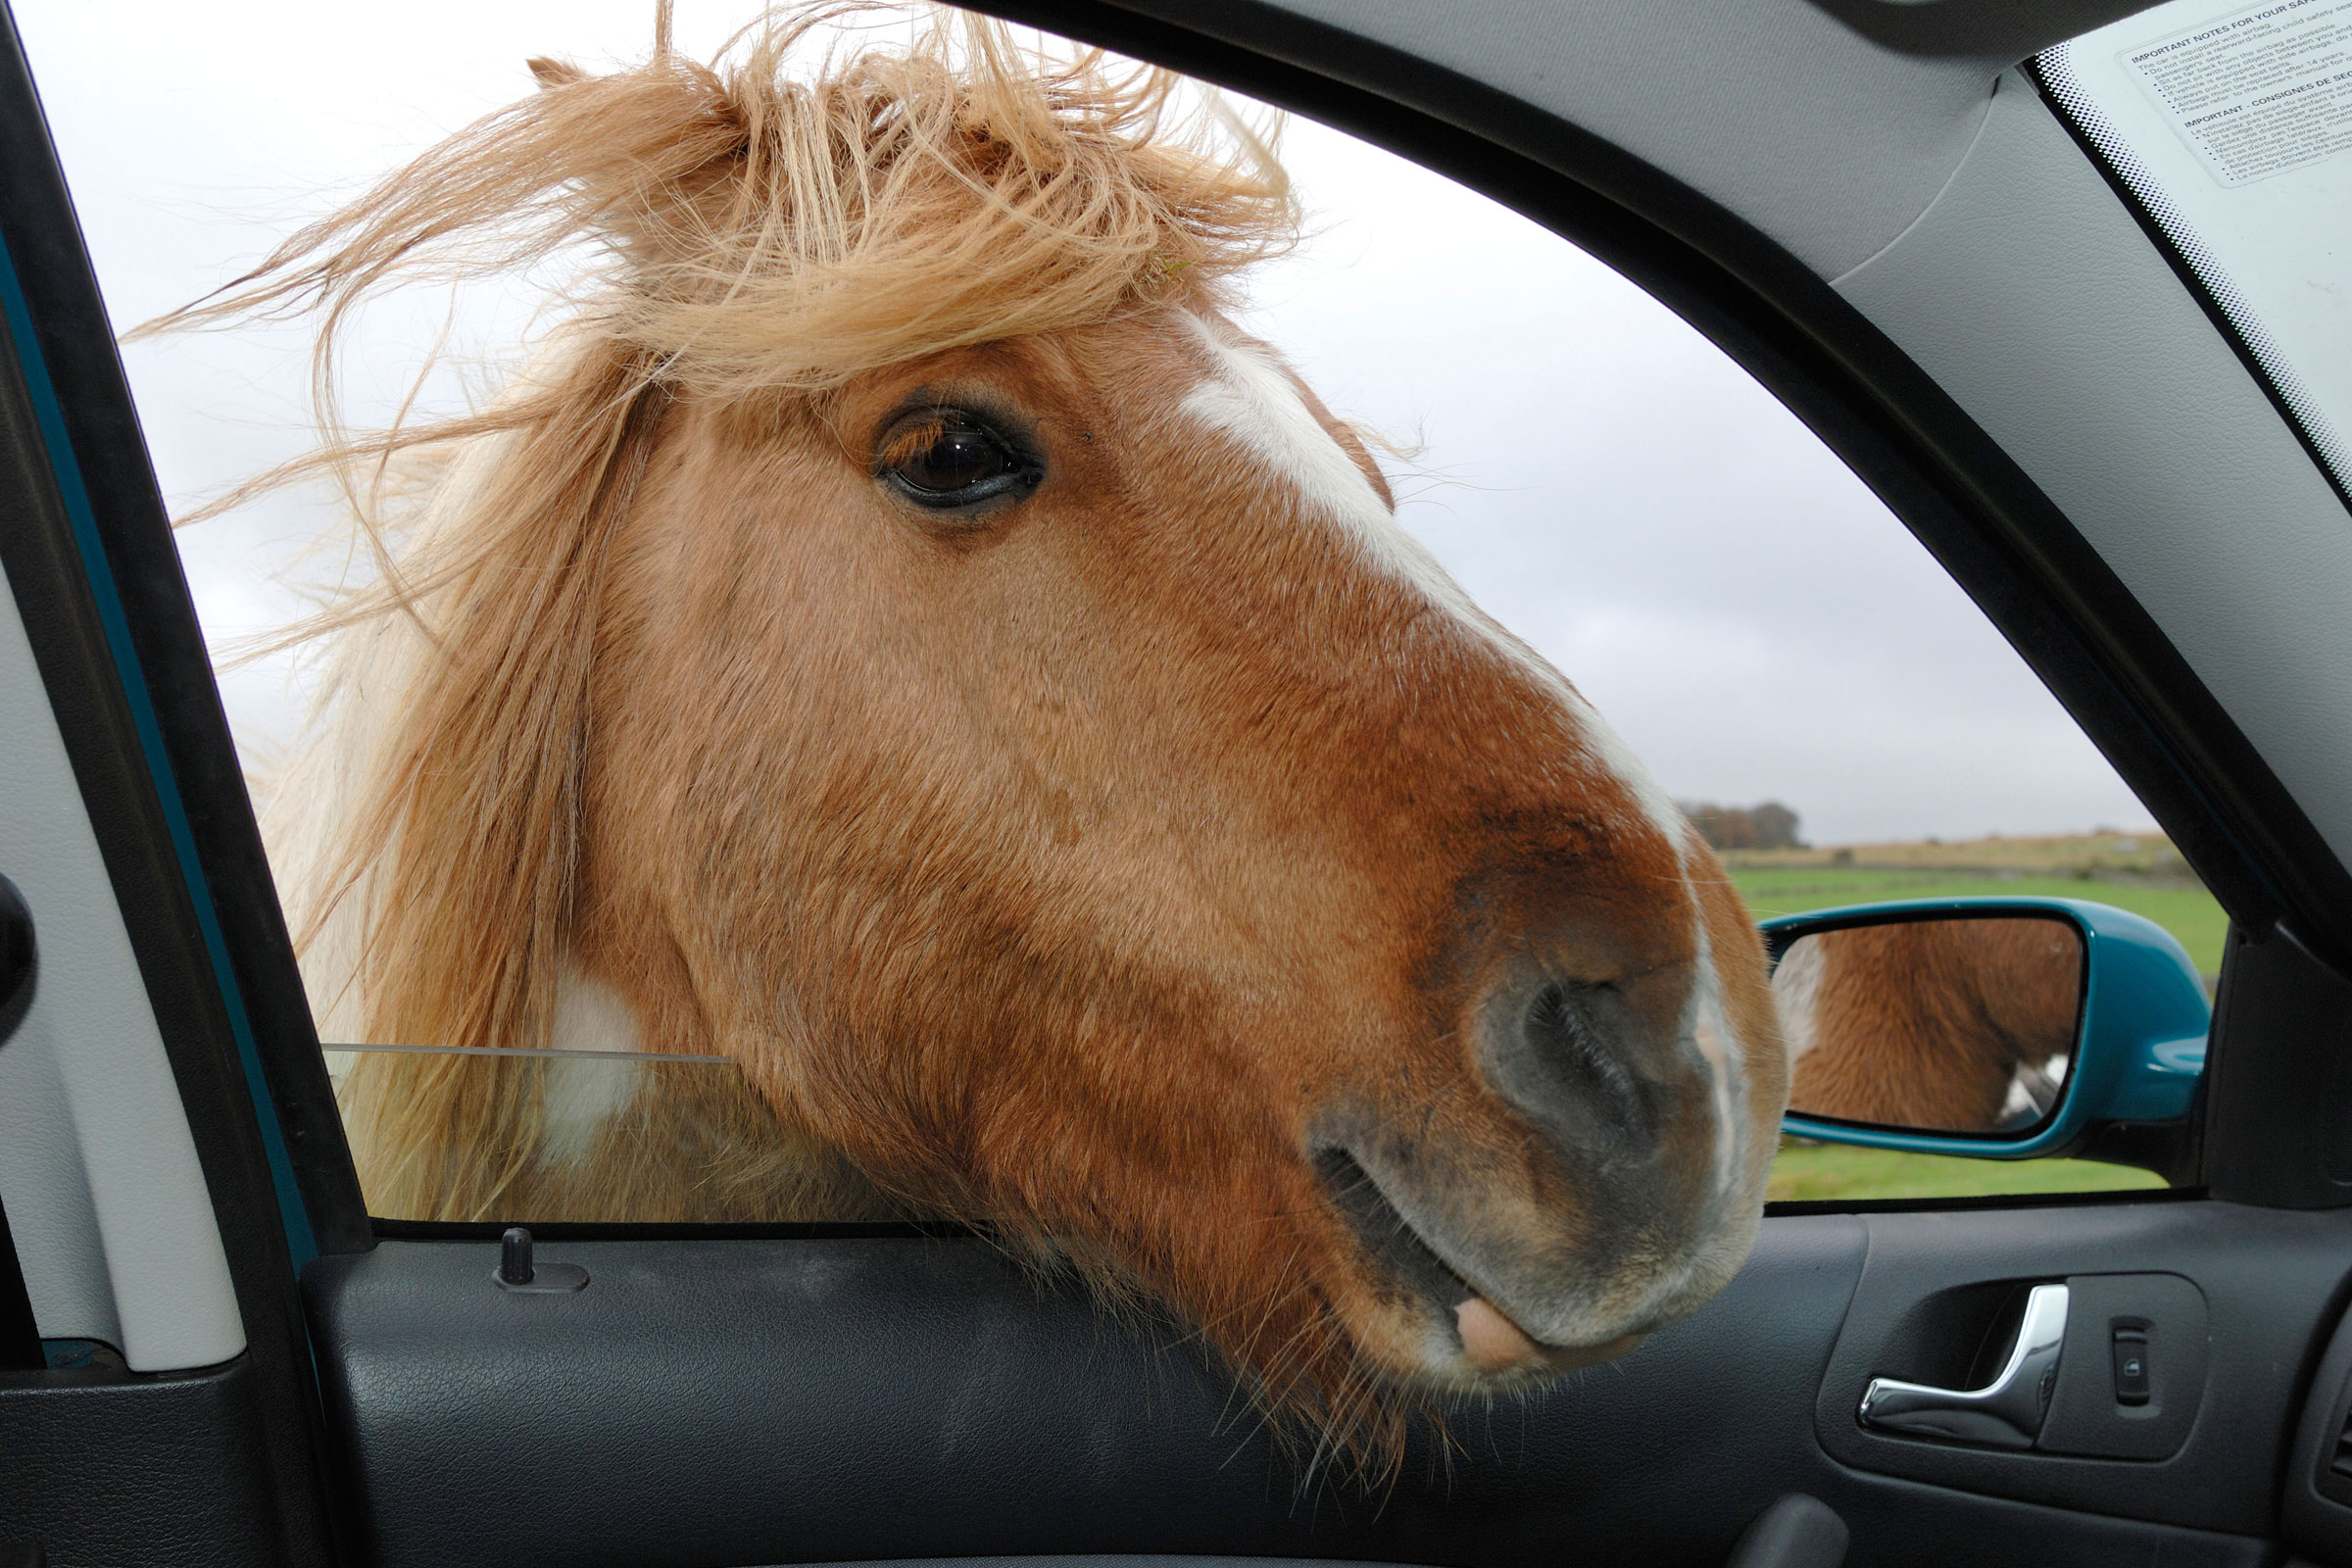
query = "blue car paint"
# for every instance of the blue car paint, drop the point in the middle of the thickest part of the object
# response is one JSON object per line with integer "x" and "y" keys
{"x": 2138, "y": 1056}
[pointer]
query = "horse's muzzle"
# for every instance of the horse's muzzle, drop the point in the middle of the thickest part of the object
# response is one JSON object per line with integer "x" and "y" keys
{"x": 1584, "y": 1191}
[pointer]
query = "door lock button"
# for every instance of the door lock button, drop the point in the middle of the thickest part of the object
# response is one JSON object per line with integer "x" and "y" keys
{"x": 2129, "y": 1343}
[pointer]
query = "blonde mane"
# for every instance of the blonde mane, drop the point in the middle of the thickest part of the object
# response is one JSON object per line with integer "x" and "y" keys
{"x": 844, "y": 187}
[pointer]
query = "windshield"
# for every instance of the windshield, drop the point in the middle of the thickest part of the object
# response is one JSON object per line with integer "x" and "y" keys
{"x": 2231, "y": 129}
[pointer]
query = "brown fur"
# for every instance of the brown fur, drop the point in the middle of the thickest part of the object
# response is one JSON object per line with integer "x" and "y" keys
{"x": 1070, "y": 867}
{"x": 1925, "y": 1023}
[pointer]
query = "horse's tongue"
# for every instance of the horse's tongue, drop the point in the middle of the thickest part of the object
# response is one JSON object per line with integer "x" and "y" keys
{"x": 1493, "y": 1341}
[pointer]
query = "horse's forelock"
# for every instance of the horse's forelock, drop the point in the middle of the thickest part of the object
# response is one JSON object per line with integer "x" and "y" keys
{"x": 818, "y": 200}
{"x": 812, "y": 203}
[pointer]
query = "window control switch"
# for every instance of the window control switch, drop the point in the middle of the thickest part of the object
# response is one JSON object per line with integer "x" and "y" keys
{"x": 2129, "y": 1343}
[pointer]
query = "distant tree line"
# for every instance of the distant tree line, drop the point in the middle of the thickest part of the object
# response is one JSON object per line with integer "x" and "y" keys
{"x": 1769, "y": 826}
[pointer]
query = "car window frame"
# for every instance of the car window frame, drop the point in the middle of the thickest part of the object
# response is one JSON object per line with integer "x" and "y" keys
{"x": 2005, "y": 544}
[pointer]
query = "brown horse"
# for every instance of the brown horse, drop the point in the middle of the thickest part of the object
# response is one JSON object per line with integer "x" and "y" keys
{"x": 1930, "y": 1023}
{"x": 899, "y": 636}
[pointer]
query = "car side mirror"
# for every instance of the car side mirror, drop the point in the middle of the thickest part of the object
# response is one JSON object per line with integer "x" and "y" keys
{"x": 1999, "y": 1028}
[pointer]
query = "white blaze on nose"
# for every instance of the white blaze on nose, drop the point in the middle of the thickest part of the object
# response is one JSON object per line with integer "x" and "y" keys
{"x": 1710, "y": 1029}
{"x": 1657, "y": 806}
{"x": 1250, "y": 398}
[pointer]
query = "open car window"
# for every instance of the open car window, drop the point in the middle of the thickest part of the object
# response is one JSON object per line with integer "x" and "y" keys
{"x": 1799, "y": 675}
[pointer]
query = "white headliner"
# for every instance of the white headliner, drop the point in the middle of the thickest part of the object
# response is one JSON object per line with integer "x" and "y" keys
{"x": 1827, "y": 141}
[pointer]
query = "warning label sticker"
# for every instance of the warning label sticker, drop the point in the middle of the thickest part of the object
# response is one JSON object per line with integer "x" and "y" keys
{"x": 2260, "y": 91}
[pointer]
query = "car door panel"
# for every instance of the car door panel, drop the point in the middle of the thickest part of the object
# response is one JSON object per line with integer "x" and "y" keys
{"x": 2270, "y": 1280}
{"x": 106, "y": 1466}
{"x": 2316, "y": 1501}
{"x": 747, "y": 1401}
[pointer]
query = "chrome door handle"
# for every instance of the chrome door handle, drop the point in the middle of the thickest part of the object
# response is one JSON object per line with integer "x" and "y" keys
{"x": 2007, "y": 1412}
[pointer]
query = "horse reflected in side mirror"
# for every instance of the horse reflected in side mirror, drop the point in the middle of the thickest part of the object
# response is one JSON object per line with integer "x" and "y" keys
{"x": 1951, "y": 1025}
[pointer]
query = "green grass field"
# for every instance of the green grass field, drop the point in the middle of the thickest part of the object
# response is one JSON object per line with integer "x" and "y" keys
{"x": 2184, "y": 909}
{"x": 1828, "y": 1171}
{"x": 1803, "y": 1171}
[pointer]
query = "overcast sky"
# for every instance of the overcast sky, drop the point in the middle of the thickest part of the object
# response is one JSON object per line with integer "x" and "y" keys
{"x": 1598, "y": 474}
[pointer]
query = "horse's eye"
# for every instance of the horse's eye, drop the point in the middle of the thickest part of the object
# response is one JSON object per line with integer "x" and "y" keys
{"x": 947, "y": 458}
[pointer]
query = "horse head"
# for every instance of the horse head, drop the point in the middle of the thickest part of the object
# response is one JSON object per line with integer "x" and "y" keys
{"x": 904, "y": 637}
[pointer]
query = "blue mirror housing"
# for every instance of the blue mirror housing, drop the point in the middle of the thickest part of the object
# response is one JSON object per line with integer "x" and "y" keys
{"x": 2140, "y": 1048}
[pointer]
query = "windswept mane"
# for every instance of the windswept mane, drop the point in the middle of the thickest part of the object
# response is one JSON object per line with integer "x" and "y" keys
{"x": 769, "y": 226}
{"x": 844, "y": 187}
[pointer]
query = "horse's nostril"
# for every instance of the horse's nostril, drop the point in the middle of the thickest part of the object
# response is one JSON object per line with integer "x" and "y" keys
{"x": 1566, "y": 1034}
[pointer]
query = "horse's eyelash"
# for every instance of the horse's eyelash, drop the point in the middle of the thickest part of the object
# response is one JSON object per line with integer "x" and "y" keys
{"x": 910, "y": 440}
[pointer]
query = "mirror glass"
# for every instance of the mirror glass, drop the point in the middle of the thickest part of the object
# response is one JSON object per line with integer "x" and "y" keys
{"x": 1961, "y": 1025}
